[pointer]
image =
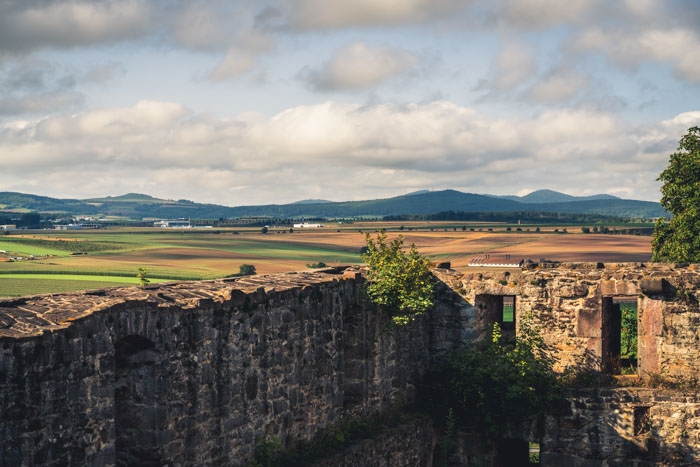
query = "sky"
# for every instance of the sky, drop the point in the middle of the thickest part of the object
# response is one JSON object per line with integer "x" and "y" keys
{"x": 272, "y": 102}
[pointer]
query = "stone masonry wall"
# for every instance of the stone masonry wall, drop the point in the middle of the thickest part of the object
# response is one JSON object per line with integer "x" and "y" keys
{"x": 567, "y": 301}
{"x": 408, "y": 445}
{"x": 196, "y": 373}
{"x": 624, "y": 427}
{"x": 570, "y": 303}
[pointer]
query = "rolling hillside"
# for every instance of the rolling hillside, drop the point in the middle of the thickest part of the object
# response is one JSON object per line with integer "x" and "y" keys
{"x": 139, "y": 206}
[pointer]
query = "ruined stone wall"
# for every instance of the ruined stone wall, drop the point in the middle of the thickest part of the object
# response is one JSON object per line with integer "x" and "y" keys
{"x": 624, "y": 427}
{"x": 197, "y": 373}
{"x": 571, "y": 304}
{"x": 568, "y": 302}
{"x": 410, "y": 444}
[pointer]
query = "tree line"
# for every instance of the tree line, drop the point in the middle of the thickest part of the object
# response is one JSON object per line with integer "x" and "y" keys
{"x": 540, "y": 217}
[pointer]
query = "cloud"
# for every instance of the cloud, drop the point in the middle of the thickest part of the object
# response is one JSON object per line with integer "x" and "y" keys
{"x": 40, "y": 87}
{"x": 334, "y": 146}
{"x": 235, "y": 63}
{"x": 561, "y": 84}
{"x": 679, "y": 47}
{"x": 25, "y": 26}
{"x": 321, "y": 14}
{"x": 41, "y": 103}
{"x": 203, "y": 25}
{"x": 102, "y": 73}
{"x": 360, "y": 65}
{"x": 539, "y": 14}
{"x": 244, "y": 43}
{"x": 214, "y": 26}
{"x": 515, "y": 63}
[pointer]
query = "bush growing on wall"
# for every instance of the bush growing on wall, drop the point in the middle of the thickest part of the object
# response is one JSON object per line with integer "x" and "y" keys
{"x": 399, "y": 281}
{"x": 492, "y": 385}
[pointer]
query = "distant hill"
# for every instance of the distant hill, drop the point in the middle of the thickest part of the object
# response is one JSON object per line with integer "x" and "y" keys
{"x": 312, "y": 201}
{"x": 139, "y": 206}
{"x": 551, "y": 196}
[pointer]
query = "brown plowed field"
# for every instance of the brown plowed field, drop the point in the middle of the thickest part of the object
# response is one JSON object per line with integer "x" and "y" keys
{"x": 208, "y": 256}
{"x": 461, "y": 247}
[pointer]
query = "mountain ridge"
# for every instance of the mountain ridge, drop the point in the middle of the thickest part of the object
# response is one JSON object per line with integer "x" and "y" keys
{"x": 550, "y": 196}
{"x": 140, "y": 206}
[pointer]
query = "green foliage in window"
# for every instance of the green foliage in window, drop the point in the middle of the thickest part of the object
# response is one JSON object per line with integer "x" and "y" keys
{"x": 628, "y": 334}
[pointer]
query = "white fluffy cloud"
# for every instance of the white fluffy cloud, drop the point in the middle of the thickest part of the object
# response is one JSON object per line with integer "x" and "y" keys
{"x": 359, "y": 65}
{"x": 287, "y": 155}
{"x": 678, "y": 47}
{"x": 223, "y": 111}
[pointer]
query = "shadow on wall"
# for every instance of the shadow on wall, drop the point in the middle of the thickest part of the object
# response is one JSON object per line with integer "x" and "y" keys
{"x": 623, "y": 427}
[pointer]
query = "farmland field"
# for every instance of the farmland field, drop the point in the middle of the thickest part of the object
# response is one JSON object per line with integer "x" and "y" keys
{"x": 49, "y": 261}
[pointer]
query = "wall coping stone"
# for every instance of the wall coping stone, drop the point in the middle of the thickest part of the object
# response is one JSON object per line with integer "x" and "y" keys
{"x": 33, "y": 316}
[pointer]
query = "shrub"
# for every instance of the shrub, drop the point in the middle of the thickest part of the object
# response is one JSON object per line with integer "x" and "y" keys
{"x": 143, "y": 277}
{"x": 399, "y": 282}
{"x": 497, "y": 383}
{"x": 246, "y": 270}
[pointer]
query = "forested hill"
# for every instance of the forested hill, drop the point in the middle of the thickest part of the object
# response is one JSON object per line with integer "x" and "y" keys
{"x": 139, "y": 206}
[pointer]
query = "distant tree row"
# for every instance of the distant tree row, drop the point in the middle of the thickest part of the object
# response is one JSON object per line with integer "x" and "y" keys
{"x": 539, "y": 217}
{"x": 29, "y": 220}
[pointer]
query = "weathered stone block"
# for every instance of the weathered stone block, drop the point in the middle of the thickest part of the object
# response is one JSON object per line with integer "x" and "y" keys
{"x": 652, "y": 286}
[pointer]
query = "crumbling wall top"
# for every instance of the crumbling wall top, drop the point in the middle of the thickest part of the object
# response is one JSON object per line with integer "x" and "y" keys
{"x": 34, "y": 315}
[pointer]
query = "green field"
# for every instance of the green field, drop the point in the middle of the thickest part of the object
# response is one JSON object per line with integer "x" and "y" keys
{"x": 197, "y": 254}
{"x": 49, "y": 262}
{"x": 18, "y": 285}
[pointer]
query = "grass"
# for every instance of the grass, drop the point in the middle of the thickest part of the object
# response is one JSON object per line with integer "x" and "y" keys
{"x": 112, "y": 258}
{"x": 21, "y": 249}
{"x": 18, "y": 285}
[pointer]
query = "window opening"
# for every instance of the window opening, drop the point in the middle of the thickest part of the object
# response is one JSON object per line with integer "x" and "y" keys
{"x": 499, "y": 309}
{"x": 628, "y": 336}
{"x": 534, "y": 454}
{"x": 619, "y": 335}
{"x": 508, "y": 314}
{"x": 512, "y": 453}
{"x": 642, "y": 421}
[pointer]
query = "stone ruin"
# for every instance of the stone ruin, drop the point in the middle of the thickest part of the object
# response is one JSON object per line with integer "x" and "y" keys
{"x": 197, "y": 373}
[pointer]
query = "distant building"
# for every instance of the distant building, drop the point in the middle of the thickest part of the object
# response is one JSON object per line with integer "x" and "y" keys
{"x": 173, "y": 224}
{"x": 68, "y": 227}
{"x": 306, "y": 225}
{"x": 487, "y": 262}
{"x": 8, "y": 227}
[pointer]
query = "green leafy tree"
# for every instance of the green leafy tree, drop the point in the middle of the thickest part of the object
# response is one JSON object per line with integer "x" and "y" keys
{"x": 246, "y": 270}
{"x": 399, "y": 281}
{"x": 679, "y": 239}
{"x": 143, "y": 277}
